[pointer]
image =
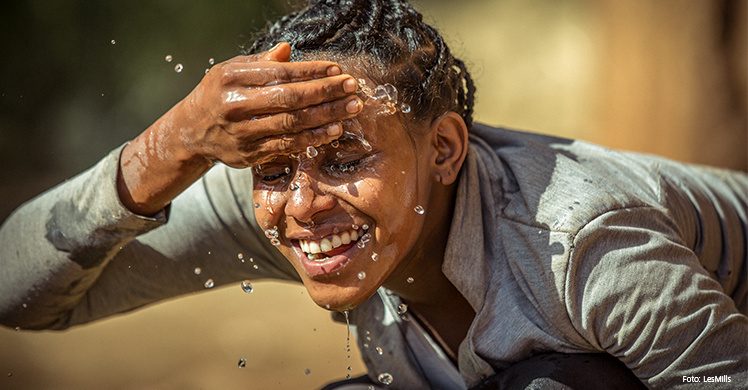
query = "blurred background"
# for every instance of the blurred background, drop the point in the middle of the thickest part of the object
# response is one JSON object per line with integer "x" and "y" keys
{"x": 78, "y": 78}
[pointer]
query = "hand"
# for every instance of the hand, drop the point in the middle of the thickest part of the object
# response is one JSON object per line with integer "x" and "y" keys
{"x": 250, "y": 108}
{"x": 245, "y": 111}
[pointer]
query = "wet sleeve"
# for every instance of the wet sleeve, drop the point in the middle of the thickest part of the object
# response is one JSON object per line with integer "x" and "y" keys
{"x": 635, "y": 291}
{"x": 75, "y": 253}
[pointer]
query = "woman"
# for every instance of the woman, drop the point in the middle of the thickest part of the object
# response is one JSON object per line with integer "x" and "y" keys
{"x": 515, "y": 258}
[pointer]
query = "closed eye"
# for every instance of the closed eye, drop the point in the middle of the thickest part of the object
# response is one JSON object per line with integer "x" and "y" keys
{"x": 345, "y": 167}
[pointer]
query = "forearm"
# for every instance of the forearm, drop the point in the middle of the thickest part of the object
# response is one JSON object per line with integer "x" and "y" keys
{"x": 157, "y": 166}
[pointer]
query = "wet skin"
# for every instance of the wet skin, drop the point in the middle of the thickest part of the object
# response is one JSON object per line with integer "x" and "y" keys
{"x": 309, "y": 199}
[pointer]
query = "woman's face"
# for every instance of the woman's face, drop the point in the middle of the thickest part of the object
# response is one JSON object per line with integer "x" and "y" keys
{"x": 346, "y": 217}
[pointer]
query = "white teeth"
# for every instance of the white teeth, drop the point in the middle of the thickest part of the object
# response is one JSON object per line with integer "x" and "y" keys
{"x": 312, "y": 247}
{"x": 325, "y": 245}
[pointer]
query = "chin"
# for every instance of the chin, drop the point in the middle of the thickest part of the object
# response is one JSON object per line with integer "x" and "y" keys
{"x": 338, "y": 298}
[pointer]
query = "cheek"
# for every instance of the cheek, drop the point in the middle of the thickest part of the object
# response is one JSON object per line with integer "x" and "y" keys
{"x": 267, "y": 203}
{"x": 390, "y": 203}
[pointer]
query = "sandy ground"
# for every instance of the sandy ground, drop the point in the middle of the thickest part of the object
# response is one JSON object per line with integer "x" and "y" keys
{"x": 192, "y": 342}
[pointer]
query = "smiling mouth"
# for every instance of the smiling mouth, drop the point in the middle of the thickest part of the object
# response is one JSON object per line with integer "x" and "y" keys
{"x": 322, "y": 250}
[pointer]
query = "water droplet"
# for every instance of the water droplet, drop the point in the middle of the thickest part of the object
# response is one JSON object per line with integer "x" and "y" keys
{"x": 371, "y": 388}
{"x": 287, "y": 170}
{"x": 350, "y": 368}
{"x": 25, "y": 305}
{"x": 207, "y": 70}
{"x": 198, "y": 270}
{"x": 339, "y": 155}
{"x": 255, "y": 266}
{"x": 275, "y": 241}
{"x": 362, "y": 275}
{"x": 271, "y": 233}
{"x": 211, "y": 61}
{"x": 379, "y": 350}
{"x": 374, "y": 256}
{"x": 404, "y": 108}
{"x": 247, "y": 286}
{"x": 240, "y": 256}
{"x": 410, "y": 280}
{"x": 168, "y": 58}
{"x": 419, "y": 209}
{"x": 366, "y": 237}
{"x": 354, "y": 227}
{"x": 307, "y": 371}
{"x": 178, "y": 68}
{"x": 294, "y": 186}
{"x": 327, "y": 306}
{"x": 18, "y": 328}
{"x": 402, "y": 308}
{"x": 360, "y": 244}
{"x": 335, "y": 143}
{"x": 365, "y": 227}
{"x": 113, "y": 42}
{"x": 385, "y": 378}
{"x": 251, "y": 259}
{"x": 242, "y": 362}
{"x": 209, "y": 283}
{"x": 311, "y": 152}
{"x": 257, "y": 205}
{"x": 348, "y": 376}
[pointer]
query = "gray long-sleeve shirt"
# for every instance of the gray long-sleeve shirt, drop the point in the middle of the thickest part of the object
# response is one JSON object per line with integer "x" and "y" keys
{"x": 558, "y": 245}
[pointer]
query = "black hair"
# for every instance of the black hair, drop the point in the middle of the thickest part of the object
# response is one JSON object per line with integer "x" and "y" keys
{"x": 393, "y": 41}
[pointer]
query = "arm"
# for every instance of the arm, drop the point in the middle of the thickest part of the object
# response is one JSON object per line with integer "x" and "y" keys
{"x": 56, "y": 247}
{"x": 635, "y": 291}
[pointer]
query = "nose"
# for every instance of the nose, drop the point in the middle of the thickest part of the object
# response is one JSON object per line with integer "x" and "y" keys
{"x": 306, "y": 199}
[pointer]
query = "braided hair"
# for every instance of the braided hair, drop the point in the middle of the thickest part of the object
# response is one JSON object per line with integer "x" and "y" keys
{"x": 393, "y": 41}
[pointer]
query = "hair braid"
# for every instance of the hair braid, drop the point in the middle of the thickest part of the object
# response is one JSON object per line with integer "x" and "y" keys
{"x": 397, "y": 46}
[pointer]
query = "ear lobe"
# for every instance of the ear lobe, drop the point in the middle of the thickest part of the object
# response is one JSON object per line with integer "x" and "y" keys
{"x": 450, "y": 140}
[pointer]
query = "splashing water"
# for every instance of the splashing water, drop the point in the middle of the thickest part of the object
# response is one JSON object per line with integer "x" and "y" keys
{"x": 209, "y": 283}
{"x": 178, "y": 68}
{"x": 198, "y": 271}
{"x": 211, "y": 61}
{"x": 385, "y": 378}
{"x": 247, "y": 287}
{"x": 311, "y": 152}
{"x": 113, "y": 42}
{"x": 168, "y": 58}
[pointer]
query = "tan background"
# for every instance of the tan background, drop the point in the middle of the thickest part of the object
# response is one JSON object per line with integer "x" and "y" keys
{"x": 665, "y": 76}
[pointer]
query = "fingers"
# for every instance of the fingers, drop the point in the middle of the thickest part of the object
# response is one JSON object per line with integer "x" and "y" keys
{"x": 259, "y": 74}
{"x": 245, "y": 103}
{"x": 292, "y": 143}
{"x": 295, "y": 121}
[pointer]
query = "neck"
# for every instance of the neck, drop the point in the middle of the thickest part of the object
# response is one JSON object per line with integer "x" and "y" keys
{"x": 431, "y": 296}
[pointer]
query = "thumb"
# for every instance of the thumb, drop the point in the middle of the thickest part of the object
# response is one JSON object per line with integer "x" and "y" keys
{"x": 280, "y": 53}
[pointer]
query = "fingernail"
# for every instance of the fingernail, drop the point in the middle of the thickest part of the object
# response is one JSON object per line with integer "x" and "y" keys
{"x": 334, "y": 129}
{"x": 349, "y": 85}
{"x": 333, "y": 70}
{"x": 276, "y": 46}
{"x": 353, "y": 106}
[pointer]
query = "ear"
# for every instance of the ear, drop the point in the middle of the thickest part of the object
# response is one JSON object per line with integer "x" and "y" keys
{"x": 449, "y": 137}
